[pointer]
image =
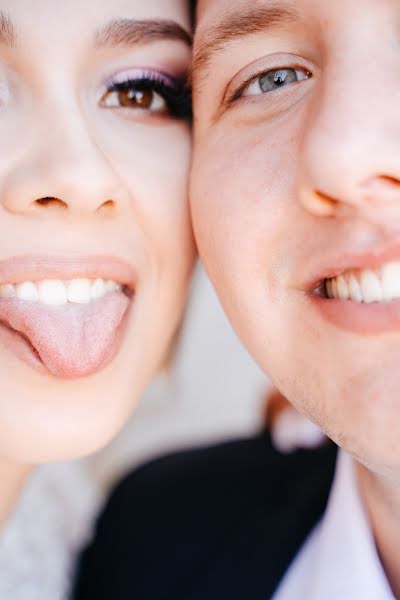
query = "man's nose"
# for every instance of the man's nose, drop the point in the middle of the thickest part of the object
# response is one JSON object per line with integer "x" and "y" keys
{"x": 350, "y": 156}
{"x": 61, "y": 167}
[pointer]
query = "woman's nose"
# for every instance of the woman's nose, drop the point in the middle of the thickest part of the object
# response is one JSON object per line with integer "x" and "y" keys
{"x": 62, "y": 167}
{"x": 350, "y": 165}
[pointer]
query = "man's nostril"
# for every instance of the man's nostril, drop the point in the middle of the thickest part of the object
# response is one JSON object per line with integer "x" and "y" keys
{"x": 326, "y": 200}
{"x": 320, "y": 204}
{"x": 51, "y": 202}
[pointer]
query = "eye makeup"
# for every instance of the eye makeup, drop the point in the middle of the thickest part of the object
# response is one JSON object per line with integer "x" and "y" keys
{"x": 174, "y": 92}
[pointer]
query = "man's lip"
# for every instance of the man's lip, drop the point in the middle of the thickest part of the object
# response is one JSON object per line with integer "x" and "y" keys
{"x": 333, "y": 265}
{"x": 37, "y": 267}
{"x": 362, "y": 319}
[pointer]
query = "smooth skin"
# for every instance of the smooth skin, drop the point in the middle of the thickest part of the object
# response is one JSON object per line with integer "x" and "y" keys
{"x": 89, "y": 171}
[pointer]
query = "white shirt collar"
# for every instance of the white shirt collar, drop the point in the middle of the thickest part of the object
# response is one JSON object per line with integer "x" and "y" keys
{"x": 339, "y": 559}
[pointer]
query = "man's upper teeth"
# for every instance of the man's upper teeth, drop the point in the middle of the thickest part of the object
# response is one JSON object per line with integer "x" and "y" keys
{"x": 366, "y": 285}
{"x": 56, "y": 292}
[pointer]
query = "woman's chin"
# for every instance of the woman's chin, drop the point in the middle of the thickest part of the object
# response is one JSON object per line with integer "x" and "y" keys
{"x": 44, "y": 447}
{"x": 39, "y": 426}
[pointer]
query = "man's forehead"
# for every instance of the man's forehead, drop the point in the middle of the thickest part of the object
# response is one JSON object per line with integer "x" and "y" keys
{"x": 211, "y": 8}
{"x": 215, "y": 16}
{"x": 221, "y": 21}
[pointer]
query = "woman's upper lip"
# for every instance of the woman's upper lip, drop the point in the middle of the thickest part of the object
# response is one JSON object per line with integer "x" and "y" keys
{"x": 334, "y": 264}
{"x": 36, "y": 267}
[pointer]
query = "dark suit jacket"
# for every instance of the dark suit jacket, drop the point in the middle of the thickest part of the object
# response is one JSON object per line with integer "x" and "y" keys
{"x": 209, "y": 524}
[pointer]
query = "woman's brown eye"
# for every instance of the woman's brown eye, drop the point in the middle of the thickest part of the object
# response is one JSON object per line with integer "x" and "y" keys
{"x": 129, "y": 97}
{"x": 136, "y": 98}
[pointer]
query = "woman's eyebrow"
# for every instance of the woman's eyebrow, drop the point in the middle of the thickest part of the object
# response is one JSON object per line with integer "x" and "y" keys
{"x": 130, "y": 32}
{"x": 8, "y": 35}
{"x": 236, "y": 24}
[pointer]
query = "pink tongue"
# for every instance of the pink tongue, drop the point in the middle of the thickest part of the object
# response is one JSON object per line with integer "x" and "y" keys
{"x": 73, "y": 340}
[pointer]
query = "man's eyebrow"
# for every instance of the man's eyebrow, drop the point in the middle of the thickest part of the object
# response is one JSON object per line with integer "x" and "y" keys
{"x": 8, "y": 35}
{"x": 130, "y": 32}
{"x": 238, "y": 24}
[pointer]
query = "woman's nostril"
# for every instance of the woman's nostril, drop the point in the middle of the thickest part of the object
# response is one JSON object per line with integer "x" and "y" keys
{"x": 51, "y": 202}
{"x": 107, "y": 206}
{"x": 393, "y": 181}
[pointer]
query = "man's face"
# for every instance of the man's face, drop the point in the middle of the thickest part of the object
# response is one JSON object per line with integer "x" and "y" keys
{"x": 296, "y": 202}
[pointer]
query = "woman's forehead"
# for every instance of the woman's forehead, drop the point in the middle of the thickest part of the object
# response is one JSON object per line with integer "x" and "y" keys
{"x": 72, "y": 28}
{"x": 54, "y": 12}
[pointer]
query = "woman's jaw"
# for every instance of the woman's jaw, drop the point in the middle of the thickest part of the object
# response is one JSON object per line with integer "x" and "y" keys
{"x": 80, "y": 365}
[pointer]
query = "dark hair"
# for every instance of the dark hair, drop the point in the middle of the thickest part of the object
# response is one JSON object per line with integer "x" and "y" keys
{"x": 193, "y": 9}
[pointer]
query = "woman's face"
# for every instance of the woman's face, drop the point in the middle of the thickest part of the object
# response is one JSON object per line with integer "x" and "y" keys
{"x": 95, "y": 244}
{"x": 296, "y": 201}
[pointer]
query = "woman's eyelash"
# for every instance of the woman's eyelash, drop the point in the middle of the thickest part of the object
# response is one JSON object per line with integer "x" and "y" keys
{"x": 177, "y": 96}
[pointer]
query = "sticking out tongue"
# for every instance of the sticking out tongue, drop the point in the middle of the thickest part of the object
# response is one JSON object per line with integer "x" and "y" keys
{"x": 72, "y": 340}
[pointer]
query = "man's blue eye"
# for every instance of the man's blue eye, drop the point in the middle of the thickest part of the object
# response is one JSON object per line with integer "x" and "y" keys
{"x": 274, "y": 80}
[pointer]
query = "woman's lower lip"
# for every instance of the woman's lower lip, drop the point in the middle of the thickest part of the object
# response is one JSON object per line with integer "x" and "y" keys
{"x": 363, "y": 319}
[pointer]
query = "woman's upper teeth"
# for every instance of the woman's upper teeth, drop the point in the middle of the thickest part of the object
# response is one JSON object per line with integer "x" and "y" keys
{"x": 56, "y": 292}
{"x": 366, "y": 285}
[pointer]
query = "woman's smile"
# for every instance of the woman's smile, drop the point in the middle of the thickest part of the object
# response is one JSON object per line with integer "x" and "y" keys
{"x": 69, "y": 317}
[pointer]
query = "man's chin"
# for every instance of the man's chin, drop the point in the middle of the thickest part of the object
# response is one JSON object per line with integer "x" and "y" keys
{"x": 365, "y": 423}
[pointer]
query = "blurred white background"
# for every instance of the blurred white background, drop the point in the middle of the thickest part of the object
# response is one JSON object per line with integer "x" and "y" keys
{"x": 213, "y": 391}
